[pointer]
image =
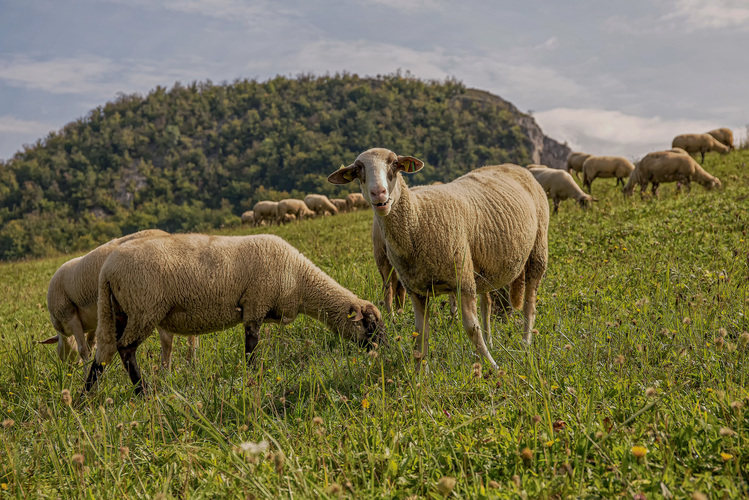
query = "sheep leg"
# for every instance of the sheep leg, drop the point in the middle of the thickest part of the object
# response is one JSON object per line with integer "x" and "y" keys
{"x": 127, "y": 354}
{"x": 400, "y": 295}
{"x": 167, "y": 340}
{"x": 556, "y": 205}
{"x": 472, "y": 328}
{"x": 73, "y": 325}
{"x": 251, "y": 332}
{"x": 534, "y": 271}
{"x": 453, "y": 304}
{"x": 192, "y": 343}
{"x": 486, "y": 326}
{"x": 420, "y": 304}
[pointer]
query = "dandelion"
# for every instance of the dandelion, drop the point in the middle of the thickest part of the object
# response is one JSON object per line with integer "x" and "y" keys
{"x": 744, "y": 339}
{"x": 725, "y": 431}
{"x": 477, "y": 370}
{"x": 365, "y": 403}
{"x": 124, "y": 452}
{"x": 66, "y": 398}
{"x": 639, "y": 451}
{"x": 373, "y": 354}
{"x": 415, "y": 334}
{"x": 445, "y": 485}
{"x": 526, "y": 454}
{"x": 726, "y": 456}
{"x": 536, "y": 419}
{"x": 278, "y": 460}
{"x": 4, "y": 486}
{"x": 650, "y": 392}
{"x": 250, "y": 448}
{"x": 78, "y": 460}
{"x": 335, "y": 489}
{"x": 8, "y": 423}
{"x": 737, "y": 405}
{"x": 550, "y": 443}
{"x": 494, "y": 485}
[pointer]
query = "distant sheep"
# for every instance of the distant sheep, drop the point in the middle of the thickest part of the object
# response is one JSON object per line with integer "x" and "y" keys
{"x": 356, "y": 201}
{"x": 292, "y": 208}
{"x": 265, "y": 211}
{"x": 72, "y": 301}
{"x": 319, "y": 203}
{"x": 606, "y": 167}
{"x": 559, "y": 186}
{"x": 724, "y": 136}
{"x": 471, "y": 236}
{"x": 667, "y": 166}
{"x": 340, "y": 204}
{"x": 699, "y": 143}
{"x": 575, "y": 162}
{"x": 248, "y": 218}
{"x": 193, "y": 284}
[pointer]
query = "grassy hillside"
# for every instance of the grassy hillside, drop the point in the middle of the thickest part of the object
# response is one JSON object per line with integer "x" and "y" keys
{"x": 636, "y": 383}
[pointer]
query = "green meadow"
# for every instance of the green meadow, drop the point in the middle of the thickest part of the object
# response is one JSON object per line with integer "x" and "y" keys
{"x": 635, "y": 385}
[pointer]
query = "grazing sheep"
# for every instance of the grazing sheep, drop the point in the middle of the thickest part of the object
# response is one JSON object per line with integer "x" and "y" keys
{"x": 575, "y": 162}
{"x": 72, "y": 295}
{"x": 667, "y": 166}
{"x": 559, "y": 186}
{"x": 319, "y": 203}
{"x": 294, "y": 208}
{"x": 192, "y": 284}
{"x": 699, "y": 143}
{"x": 473, "y": 235}
{"x": 606, "y": 167}
{"x": 248, "y": 218}
{"x": 723, "y": 136}
{"x": 340, "y": 204}
{"x": 355, "y": 201}
{"x": 265, "y": 211}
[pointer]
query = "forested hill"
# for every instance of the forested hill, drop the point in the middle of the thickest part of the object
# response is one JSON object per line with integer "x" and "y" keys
{"x": 193, "y": 157}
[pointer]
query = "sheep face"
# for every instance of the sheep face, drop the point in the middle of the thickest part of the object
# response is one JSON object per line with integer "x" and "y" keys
{"x": 365, "y": 326}
{"x": 377, "y": 170}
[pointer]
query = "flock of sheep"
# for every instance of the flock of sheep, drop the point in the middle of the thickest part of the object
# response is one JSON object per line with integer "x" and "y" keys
{"x": 477, "y": 236}
{"x": 290, "y": 209}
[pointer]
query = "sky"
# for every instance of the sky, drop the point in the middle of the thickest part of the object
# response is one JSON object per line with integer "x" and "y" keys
{"x": 618, "y": 78}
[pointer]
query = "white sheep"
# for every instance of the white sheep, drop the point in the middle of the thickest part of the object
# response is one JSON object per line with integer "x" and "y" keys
{"x": 699, "y": 143}
{"x": 473, "y": 235}
{"x": 292, "y": 208}
{"x": 265, "y": 211}
{"x": 340, "y": 204}
{"x": 248, "y": 218}
{"x": 606, "y": 167}
{"x": 668, "y": 166}
{"x": 72, "y": 301}
{"x": 724, "y": 136}
{"x": 575, "y": 162}
{"x": 559, "y": 186}
{"x": 319, "y": 203}
{"x": 192, "y": 284}
{"x": 356, "y": 201}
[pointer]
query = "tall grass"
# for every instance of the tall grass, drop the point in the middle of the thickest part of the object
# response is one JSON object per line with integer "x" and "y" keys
{"x": 636, "y": 383}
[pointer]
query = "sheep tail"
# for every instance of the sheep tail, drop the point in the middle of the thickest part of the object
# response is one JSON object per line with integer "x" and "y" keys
{"x": 517, "y": 291}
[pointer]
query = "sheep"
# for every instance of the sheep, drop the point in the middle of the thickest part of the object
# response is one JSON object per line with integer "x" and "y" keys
{"x": 606, "y": 167}
{"x": 356, "y": 201}
{"x": 265, "y": 211}
{"x": 559, "y": 185}
{"x": 668, "y": 166}
{"x": 193, "y": 284}
{"x": 71, "y": 300}
{"x": 724, "y": 136}
{"x": 478, "y": 233}
{"x": 248, "y": 218}
{"x": 699, "y": 143}
{"x": 319, "y": 203}
{"x": 291, "y": 207}
{"x": 575, "y": 162}
{"x": 340, "y": 204}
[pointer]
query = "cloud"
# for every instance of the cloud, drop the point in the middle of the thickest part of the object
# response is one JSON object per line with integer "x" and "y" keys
{"x": 408, "y": 5}
{"x": 11, "y": 125}
{"x": 711, "y": 14}
{"x": 599, "y": 131}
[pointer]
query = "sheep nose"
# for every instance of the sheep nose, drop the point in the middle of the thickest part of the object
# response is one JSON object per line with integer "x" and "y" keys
{"x": 378, "y": 193}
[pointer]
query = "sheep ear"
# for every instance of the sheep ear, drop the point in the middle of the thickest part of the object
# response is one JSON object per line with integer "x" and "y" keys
{"x": 355, "y": 314}
{"x": 409, "y": 164}
{"x": 51, "y": 340}
{"x": 343, "y": 175}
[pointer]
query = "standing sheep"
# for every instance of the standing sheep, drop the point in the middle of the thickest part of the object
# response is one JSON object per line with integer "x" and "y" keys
{"x": 248, "y": 218}
{"x": 192, "y": 284}
{"x": 340, "y": 204}
{"x": 724, "y": 136}
{"x": 666, "y": 166}
{"x": 265, "y": 211}
{"x": 356, "y": 201}
{"x": 296, "y": 208}
{"x": 575, "y": 162}
{"x": 473, "y": 235}
{"x": 559, "y": 186}
{"x": 699, "y": 143}
{"x": 606, "y": 167}
{"x": 72, "y": 301}
{"x": 319, "y": 203}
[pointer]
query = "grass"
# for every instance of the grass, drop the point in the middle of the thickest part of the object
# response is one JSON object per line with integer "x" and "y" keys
{"x": 635, "y": 385}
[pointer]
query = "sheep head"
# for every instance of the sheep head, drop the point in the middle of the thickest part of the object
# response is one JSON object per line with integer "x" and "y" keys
{"x": 377, "y": 170}
{"x": 364, "y": 325}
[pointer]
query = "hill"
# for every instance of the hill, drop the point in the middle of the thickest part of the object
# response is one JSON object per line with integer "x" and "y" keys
{"x": 194, "y": 157}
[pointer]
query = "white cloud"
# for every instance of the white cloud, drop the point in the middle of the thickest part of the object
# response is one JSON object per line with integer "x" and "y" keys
{"x": 11, "y": 125}
{"x": 711, "y": 14}
{"x": 409, "y": 5}
{"x": 599, "y": 131}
